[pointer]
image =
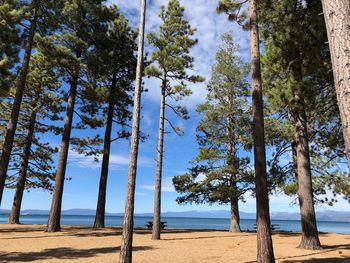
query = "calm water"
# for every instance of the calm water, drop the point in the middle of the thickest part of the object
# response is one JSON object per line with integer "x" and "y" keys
{"x": 188, "y": 223}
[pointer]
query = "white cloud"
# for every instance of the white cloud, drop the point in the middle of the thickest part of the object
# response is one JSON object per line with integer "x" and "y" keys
{"x": 167, "y": 185}
{"x": 116, "y": 161}
{"x": 210, "y": 26}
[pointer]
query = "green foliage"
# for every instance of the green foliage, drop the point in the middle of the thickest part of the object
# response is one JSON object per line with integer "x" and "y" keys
{"x": 219, "y": 173}
{"x": 10, "y": 16}
{"x": 297, "y": 76}
{"x": 171, "y": 60}
{"x": 84, "y": 25}
{"x": 235, "y": 10}
{"x": 110, "y": 71}
{"x": 43, "y": 98}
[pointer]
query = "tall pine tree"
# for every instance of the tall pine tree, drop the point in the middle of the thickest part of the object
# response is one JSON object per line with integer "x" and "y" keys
{"x": 233, "y": 9}
{"x": 171, "y": 61}
{"x": 112, "y": 67}
{"x": 223, "y": 136}
{"x": 298, "y": 75}
{"x": 83, "y": 22}
{"x": 39, "y": 16}
{"x": 31, "y": 162}
{"x": 125, "y": 255}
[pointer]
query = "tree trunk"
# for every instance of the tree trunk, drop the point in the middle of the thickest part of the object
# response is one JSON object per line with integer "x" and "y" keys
{"x": 264, "y": 240}
{"x": 337, "y": 17}
{"x": 158, "y": 185}
{"x": 101, "y": 203}
{"x": 232, "y": 163}
{"x": 235, "y": 225}
{"x": 125, "y": 255}
{"x": 54, "y": 223}
{"x": 21, "y": 182}
{"x": 12, "y": 125}
{"x": 310, "y": 238}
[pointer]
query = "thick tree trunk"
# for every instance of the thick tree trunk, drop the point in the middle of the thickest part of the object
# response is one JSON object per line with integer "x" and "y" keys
{"x": 310, "y": 238}
{"x": 101, "y": 203}
{"x": 54, "y": 223}
{"x": 235, "y": 224}
{"x": 12, "y": 125}
{"x": 264, "y": 240}
{"x": 337, "y": 17}
{"x": 125, "y": 255}
{"x": 158, "y": 185}
{"x": 21, "y": 182}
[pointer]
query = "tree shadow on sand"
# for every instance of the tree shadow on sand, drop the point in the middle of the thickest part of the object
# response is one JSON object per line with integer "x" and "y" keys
{"x": 320, "y": 260}
{"x": 62, "y": 253}
{"x": 207, "y": 237}
{"x": 324, "y": 259}
{"x": 20, "y": 229}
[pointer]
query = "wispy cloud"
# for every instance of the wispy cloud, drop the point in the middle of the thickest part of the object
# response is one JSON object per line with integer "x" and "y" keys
{"x": 167, "y": 185}
{"x": 210, "y": 26}
{"x": 116, "y": 161}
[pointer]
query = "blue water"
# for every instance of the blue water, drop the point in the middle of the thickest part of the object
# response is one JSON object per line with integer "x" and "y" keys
{"x": 186, "y": 223}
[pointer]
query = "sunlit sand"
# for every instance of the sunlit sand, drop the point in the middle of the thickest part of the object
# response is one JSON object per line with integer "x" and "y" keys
{"x": 27, "y": 243}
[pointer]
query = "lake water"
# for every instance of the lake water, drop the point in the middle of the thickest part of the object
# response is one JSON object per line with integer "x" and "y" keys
{"x": 185, "y": 223}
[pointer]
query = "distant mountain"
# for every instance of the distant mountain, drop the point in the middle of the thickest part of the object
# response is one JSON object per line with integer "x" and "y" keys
{"x": 4, "y": 212}
{"x": 327, "y": 215}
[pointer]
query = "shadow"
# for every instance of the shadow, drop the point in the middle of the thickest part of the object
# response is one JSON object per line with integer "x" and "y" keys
{"x": 20, "y": 229}
{"x": 320, "y": 260}
{"x": 79, "y": 231}
{"x": 340, "y": 246}
{"x": 194, "y": 238}
{"x": 62, "y": 253}
{"x": 326, "y": 249}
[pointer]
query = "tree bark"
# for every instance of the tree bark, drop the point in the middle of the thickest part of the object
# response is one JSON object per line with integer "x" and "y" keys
{"x": 125, "y": 255}
{"x": 158, "y": 184}
{"x": 264, "y": 240}
{"x": 337, "y": 18}
{"x": 101, "y": 203}
{"x": 12, "y": 125}
{"x": 309, "y": 238}
{"x": 231, "y": 162}
{"x": 235, "y": 224}
{"x": 54, "y": 222}
{"x": 21, "y": 182}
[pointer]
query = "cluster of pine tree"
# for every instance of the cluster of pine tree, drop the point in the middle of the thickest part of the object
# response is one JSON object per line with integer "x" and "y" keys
{"x": 71, "y": 64}
{"x": 64, "y": 65}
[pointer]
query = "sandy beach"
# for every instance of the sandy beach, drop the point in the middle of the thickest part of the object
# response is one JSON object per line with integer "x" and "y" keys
{"x": 26, "y": 243}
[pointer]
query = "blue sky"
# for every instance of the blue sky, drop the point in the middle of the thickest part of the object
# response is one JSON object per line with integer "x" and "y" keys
{"x": 81, "y": 191}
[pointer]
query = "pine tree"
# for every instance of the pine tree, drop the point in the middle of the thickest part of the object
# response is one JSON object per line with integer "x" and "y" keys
{"x": 125, "y": 255}
{"x": 171, "y": 60}
{"x": 298, "y": 74}
{"x": 83, "y": 22}
{"x": 31, "y": 159}
{"x": 11, "y": 14}
{"x": 113, "y": 66}
{"x": 264, "y": 242}
{"x": 222, "y": 133}
{"x": 40, "y": 16}
{"x": 337, "y": 18}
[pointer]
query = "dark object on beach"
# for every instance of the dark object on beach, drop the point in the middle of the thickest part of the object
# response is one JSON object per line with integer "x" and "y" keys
{"x": 273, "y": 227}
{"x": 149, "y": 225}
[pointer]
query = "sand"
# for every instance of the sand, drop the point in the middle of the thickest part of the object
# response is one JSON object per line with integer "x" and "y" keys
{"x": 26, "y": 243}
